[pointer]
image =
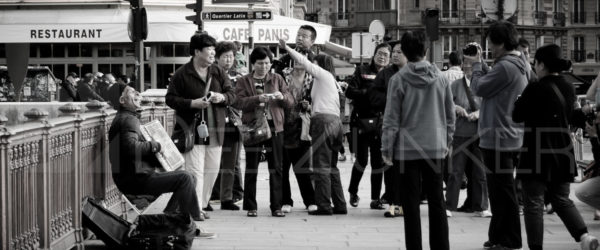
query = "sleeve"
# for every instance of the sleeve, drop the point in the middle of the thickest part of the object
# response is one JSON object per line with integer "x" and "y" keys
{"x": 590, "y": 95}
{"x": 355, "y": 90}
{"x": 523, "y": 105}
{"x": 227, "y": 89}
{"x": 450, "y": 114}
{"x": 376, "y": 94}
{"x": 491, "y": 83}
{"x": 174, "y": 98}
{"x": 288, "y": 99}
{"x": 131, "y": 142}
{"x": 310, "y": 67}
{"x": 391, "y": 117}
{"x": 244, "y": 98}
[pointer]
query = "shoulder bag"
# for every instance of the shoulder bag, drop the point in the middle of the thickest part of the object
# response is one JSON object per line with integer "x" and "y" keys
{"x": 258, "y": 130}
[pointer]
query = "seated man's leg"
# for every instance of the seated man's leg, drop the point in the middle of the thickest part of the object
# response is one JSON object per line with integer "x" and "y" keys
{"x": 183, "y": 186}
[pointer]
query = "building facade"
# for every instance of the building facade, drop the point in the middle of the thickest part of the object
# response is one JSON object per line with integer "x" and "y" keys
{"x": 572, "y": 24}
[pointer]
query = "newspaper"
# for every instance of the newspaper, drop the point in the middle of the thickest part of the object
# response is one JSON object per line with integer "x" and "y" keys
{"x": 170, "y": 158}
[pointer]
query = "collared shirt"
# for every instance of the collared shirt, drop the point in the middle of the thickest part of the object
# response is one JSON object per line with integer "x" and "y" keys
{"x": 453, "y": 73}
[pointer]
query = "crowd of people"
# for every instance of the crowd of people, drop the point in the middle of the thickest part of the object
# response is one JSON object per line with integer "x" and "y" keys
{"x": 424, "y": 130}
{"x": 90, "y": 87}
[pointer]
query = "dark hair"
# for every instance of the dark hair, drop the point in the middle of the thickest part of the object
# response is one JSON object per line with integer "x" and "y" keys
{"x": 414, "y": 45}
{"x": 503, "y": 32}
{"x": 379, "y": 46}
{"x": 523, "y": 42}
{"x": 224, "y": 47}
{"x": 122, "y": 77}
{"x": 260, "y": 53}
{"x": 454, "y": 58}
{"x": 325, "y": 62}
{"x": 201, "y": 41}
{"x": 311, "y": 29}
{"x": 114, "y": 94}
{"x": 551, "y": 56}
{"x": 73, "y": 74}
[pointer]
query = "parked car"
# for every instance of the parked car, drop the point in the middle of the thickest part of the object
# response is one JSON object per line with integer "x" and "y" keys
{"x": 40, "y": 85}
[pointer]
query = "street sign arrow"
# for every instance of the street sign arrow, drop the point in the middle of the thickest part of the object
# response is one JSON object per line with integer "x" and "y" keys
{"x": 237, "y": 16}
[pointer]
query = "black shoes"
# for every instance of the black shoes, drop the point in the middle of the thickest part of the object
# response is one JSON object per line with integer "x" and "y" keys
{"x": 229, "y": 205}
{"x": 208, "y": 208}
{"x": 464, "y": 209}
{"x": 277, "y": 213}
{"x": 354, "y": 200}
{"x": 376, "y": 204}
{"x": 321, "y": 212}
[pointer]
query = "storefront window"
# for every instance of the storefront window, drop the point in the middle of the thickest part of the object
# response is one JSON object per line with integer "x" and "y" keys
{"x": 45, "y": 50}
{"x": 58, "y": 70}
{"x": 58, "y": 50}
{"x": 182, "y": 50}
{"x": 147, "y": 75}
{"x": 33, "y": 50}
{"x": 166, "y": 50}
{"x": 73, "y": 50}
{"x": 163, "y": 75}
{"x": 86, "y": 50}
{"x": 116, "y": 69}
{"x": 116, "y": 52}
{"x": 104, "y": 68}
{"x": 2, "y": 51}
{"x": 103, "y": 50}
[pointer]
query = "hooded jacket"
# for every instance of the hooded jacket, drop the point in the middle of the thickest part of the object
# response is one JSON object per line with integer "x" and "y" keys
{"x": 419, "y": 117}
{"x": 499, "y": 89}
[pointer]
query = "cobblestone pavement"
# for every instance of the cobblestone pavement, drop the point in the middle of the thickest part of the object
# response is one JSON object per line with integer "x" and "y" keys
{"x": 361, "y": 228}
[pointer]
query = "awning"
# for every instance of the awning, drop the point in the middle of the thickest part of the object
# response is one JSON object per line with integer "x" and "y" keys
{"x": 110, "y": 26}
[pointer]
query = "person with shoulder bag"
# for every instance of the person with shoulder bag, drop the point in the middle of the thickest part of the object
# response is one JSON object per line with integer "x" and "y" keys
{"x": 366, "y": 125}
{"x": 199, "y": 93}
{"x": 547, "y": 160}
{"x": 262, "y": 97}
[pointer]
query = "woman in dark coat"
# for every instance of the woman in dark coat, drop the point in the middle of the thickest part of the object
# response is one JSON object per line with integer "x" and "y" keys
{"x": 547, "y": 160}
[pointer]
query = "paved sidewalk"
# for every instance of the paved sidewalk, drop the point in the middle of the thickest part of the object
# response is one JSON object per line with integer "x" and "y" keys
{"x": 362, "y": 228}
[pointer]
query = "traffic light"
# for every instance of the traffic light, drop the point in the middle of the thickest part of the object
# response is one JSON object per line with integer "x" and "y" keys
{"x": 196, "y": 7}
{"x": 432, "y": 23}
{"x": 138, "y": 21}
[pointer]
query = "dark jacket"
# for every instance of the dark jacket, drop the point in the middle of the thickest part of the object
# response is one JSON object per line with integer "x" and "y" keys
{"x": 378, "y": 92}
{"x": 87, "y": 92}
{"x": 132, "y": 158}
{"x": 361, "y": 82}
{"x": 186, "y": 85}
{"x": 68, "y": 93}
{"x": 286, "y": 61}
{"x": 247, "y": 98}
{"x": 464, "y": 127}
{"x": 546, "y": 131}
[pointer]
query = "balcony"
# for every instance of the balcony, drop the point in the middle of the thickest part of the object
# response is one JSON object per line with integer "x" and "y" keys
{"x": 540, "y": 18}
{"x": 341, "y": 19}
{"x": 472, "y": 17}
{"x": 559, "y": 19}
{"x": 578, "y": 55}
{"x": 450, "y": 16}
{"x": 578, "y": 17}
{"x": 364, "y": 18}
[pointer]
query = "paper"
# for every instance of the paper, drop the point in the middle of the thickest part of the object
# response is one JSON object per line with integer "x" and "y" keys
{"x": 170, "y": 158}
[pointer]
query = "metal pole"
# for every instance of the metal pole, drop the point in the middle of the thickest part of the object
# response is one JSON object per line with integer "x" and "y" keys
{"x": 139, "y": 58}
{"x": 250, "y": 37}
{"x": 361, "y": 48}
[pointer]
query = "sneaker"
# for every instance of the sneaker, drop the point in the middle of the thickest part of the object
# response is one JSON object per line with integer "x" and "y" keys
{"x": 588, "y": 242}
{"x": 202, "y": 234}
{"x": 286, "y": 208}
{"x": 354, "y": 200}
{"x": 391, "y": 212}
{"x": 464, "y": 209}
{"x": 483, "y": 214}
{"x": 488, "y": 244}
{"x": 549, "y": 209}
{"x": 448, "y": 213}
{"x": 312, "y": 207}
{"x": 399, "y": 211}
{"x": 204, "y": 215}
{"x": 376, "y": 204}
{"x": 321, "y": 212}
{"x": 238, "y": 202}
{"x": 208, "y": 208}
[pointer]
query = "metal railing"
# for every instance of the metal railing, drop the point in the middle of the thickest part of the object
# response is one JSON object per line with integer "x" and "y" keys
{"x": 540, "y": 18}
{"x": 48, "y": 166}
{"x": 578, "y": 17}
{"x": 578, "y": 55}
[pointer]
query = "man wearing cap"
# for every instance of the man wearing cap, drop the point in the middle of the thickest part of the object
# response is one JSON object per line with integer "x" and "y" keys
{"x": 133, "y": 160}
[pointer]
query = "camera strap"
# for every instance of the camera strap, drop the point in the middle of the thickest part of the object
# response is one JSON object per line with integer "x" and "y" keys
{"x": 472, "y": 105}
{"x": 562, "y": 101}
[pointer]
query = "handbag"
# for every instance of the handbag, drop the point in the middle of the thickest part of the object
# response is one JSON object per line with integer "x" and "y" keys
{"x": 256, "y": 131}
{"x": 184, "y": 138}
{"x": 369, "y": 125}
{"x": 233, "y": 116}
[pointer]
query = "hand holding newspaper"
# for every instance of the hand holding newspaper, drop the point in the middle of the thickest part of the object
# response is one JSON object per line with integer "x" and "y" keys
{"x": 169, "y": 157}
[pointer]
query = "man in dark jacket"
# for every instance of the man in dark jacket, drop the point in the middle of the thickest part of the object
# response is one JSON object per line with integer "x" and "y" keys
{"x": 87, "y": 89}
{"x": 134, "y": 162}
{"x": 305, "y": 38}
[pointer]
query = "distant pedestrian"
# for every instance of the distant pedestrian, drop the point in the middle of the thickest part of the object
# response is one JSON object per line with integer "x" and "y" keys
{"x": 87, "y": 89}
{"x": 454, "y": 72}
{"x": 68, "y": 91}
{"x": 418, "y": 125}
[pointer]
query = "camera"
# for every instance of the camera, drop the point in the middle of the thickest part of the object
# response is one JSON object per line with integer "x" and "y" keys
{"x": 470, "y": 50}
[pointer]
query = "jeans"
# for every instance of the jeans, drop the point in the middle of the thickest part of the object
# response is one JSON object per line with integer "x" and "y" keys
{"x": 300, "y": 160}
{"x": 505, "y": 225}
{"x": 203, "y": 162}
{"x": 365, "y": 143}
{"x": 412, "y": 173}
{"x": 326, "y": 132}
{"x": 588, "y": 192}
{"x": 533, "y": 198}
{"x": 181, "y": 183}
{"x": 466, "y": 155}
{"x": 274, "y": 147}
